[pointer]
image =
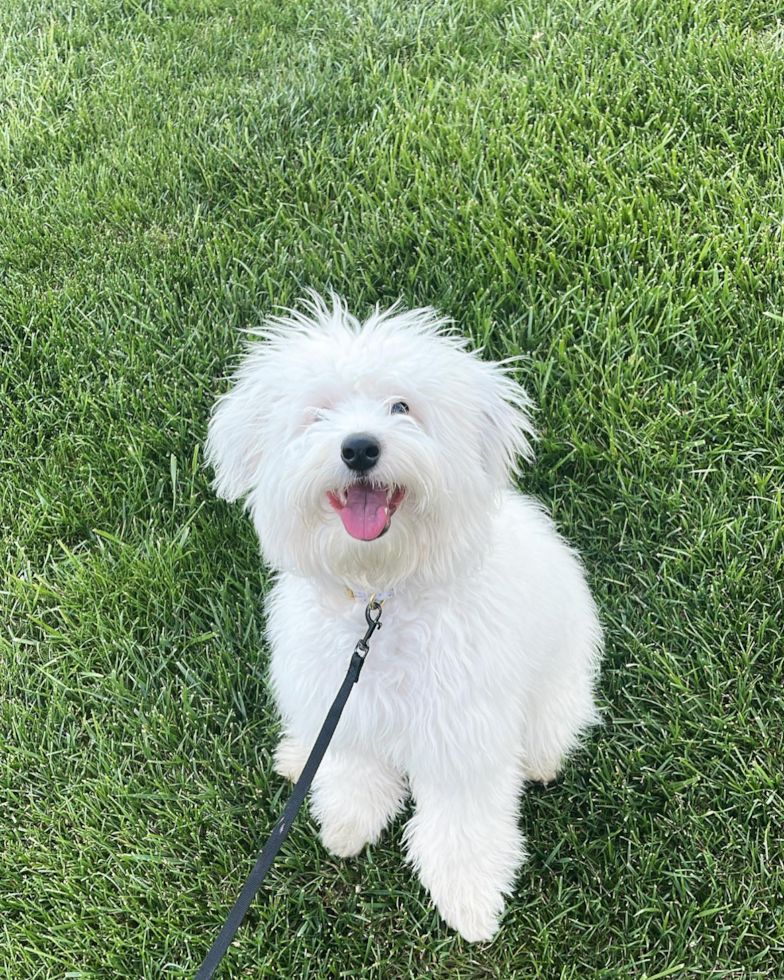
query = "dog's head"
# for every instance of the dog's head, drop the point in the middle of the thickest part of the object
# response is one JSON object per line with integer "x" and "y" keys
{"x": 370, "y": 453}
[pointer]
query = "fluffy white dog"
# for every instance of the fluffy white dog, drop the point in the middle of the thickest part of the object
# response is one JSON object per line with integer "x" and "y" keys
{"x": 378, "y": 457}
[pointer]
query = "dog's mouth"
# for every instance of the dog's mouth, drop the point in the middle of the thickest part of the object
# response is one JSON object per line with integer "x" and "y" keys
{"x": 366, "y": 509}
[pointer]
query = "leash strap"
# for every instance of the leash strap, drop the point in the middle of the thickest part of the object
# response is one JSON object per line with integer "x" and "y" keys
{"x": 294, "y": 802}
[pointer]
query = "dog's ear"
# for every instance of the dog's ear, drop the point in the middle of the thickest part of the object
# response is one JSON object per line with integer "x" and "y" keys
{"x": 507, "y": 432}
{"x": 234, "y": 444}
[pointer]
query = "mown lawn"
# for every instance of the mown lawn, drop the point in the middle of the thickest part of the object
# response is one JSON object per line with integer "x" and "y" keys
{"x": 598, "y": 186}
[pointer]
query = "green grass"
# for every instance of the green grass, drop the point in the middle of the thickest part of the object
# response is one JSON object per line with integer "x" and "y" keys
{"x": 598, "y": 186}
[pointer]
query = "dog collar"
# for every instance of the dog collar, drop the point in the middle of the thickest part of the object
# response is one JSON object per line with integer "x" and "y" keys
{"x": 365, "y": 597}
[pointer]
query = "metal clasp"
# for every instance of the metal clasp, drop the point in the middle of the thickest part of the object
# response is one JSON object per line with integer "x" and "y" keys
{"x": 373, "y": 619}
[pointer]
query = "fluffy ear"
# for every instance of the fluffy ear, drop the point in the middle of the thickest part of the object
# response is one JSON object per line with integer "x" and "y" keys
{"x": 508, "y": 430}
{"x": 235, "y": 437}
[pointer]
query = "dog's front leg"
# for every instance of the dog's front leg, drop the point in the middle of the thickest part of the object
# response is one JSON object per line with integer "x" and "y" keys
{"x": 465, "y": 843}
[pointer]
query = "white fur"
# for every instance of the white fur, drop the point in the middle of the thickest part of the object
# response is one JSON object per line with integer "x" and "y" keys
{"x": 484, "y": 670}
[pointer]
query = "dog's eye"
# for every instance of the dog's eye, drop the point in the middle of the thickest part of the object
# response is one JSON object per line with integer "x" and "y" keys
{"x": 399, "y": 408}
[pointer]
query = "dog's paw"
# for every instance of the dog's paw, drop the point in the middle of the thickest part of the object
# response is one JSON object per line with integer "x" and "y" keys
{"x": 475, "y": 917}
{"x": 468, "y": 867}
{"x": 542, "y": 764}
{"x": 344, "y": 840}
{"x": 354, "y": 798}
{"x": 542, "y": 772}
{"x": 289, "y": 759}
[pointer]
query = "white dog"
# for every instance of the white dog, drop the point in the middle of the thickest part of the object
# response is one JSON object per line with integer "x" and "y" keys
{"x": 378, "y": 457}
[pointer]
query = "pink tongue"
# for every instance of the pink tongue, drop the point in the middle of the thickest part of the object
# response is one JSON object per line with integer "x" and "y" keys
{"x": 365, "y": 514}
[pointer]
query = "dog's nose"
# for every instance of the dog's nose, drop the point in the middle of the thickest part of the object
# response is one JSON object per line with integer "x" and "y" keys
{"x": 360, "y": 451}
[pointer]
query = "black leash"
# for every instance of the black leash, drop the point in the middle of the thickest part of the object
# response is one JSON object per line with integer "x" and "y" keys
{"x": 295, "y": 801}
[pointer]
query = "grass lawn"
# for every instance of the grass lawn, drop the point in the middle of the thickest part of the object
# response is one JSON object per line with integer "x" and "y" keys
{"x": 598, "y": 186}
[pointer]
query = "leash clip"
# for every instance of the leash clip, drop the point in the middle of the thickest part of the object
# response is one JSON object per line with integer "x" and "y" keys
{"x": 373, "y": 606}
{"x": 373, "y": 619}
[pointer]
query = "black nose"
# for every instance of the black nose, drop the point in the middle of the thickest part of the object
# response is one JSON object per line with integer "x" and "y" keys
{"x": 360, "y": 451}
